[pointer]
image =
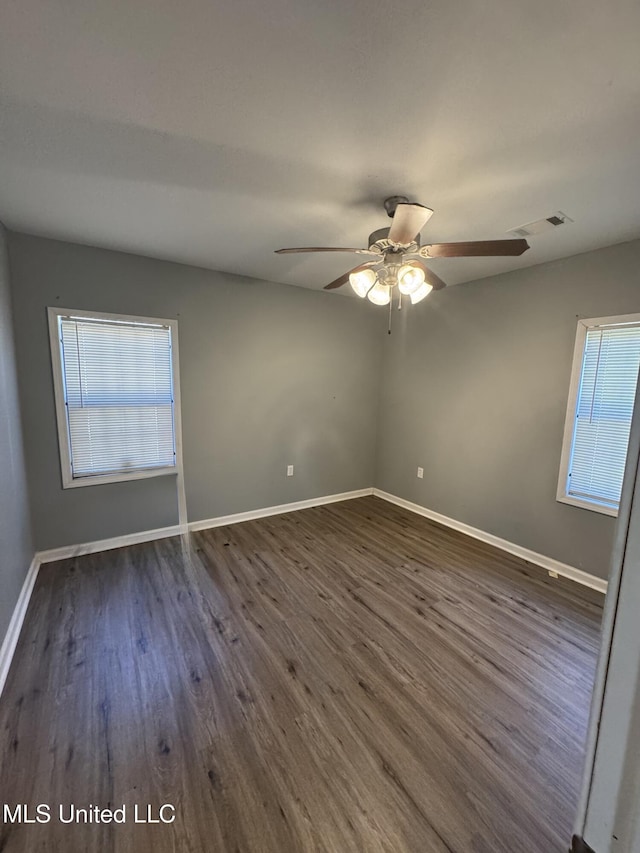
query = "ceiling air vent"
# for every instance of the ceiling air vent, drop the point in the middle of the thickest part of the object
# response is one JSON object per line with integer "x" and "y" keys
{"x": 540, "y": 225}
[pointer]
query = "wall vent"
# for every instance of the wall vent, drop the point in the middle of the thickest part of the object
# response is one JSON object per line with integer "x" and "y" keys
{"x": 540, "y": 225}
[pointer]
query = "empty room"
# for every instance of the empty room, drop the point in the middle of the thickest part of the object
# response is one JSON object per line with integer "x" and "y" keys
{"x": 319, "y": 348}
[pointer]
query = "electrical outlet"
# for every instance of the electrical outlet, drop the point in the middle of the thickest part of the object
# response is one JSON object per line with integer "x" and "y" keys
{"x": 420, "y": 473}
{"x": 553, "y": 574}
{"x": 289, "y": 470}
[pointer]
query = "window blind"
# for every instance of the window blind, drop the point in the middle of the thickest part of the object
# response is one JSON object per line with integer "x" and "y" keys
{"x": 118, "y": 388}
{"x": 603, "y": 413}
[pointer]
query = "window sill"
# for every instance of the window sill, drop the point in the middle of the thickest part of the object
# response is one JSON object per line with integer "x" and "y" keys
{"x": 590, "y": 505}
{"x": 77, "y": 482}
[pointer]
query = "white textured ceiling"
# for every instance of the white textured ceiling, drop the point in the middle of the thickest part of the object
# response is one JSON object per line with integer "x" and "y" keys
{"x": 213, "y": 133}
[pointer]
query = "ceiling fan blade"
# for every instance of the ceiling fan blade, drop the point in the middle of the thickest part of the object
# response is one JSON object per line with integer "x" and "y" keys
{"x": 408, "y": 220}
{"x": 323, "y": 249}
{"x": 343, "y": 279}
{"x": 429, "y": 276}
{"x": 474, "y": 249}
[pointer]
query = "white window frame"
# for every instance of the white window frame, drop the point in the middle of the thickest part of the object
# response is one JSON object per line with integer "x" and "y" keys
{"x": 584, "y": 325}
{"x": 64, "y": 440}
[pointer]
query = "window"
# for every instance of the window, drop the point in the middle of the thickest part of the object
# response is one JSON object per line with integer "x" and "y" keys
{"x": 115, "y": 379}
{"x": 601, "y": 399}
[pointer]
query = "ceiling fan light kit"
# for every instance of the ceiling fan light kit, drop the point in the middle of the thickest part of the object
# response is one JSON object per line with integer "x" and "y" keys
{"x": 399, "y": 257}
{"x": 380, "y": 294}
{"x": 410, "y": 278}
{"x": 362, "y": 281}
{"x": 419, "y": 294}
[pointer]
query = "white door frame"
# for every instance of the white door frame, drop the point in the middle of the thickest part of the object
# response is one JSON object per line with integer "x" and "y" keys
{"x": 608, "y": 818}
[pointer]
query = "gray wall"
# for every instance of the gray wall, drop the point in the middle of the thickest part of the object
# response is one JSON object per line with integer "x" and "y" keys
{"x": 475, "y": 391}
{"x": 270, "y": 375}
{"x": 16, "y": 546}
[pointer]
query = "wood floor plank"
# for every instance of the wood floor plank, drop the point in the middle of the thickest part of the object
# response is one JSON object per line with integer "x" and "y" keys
{"x": 342, "y": 679}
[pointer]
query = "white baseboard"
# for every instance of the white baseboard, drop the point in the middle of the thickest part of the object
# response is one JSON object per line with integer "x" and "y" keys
{"x": 13, "y": 632}
{"x": 49, "y": 556}
{"x": 15, "y": 625}
{"x": 67, "y": 551}
{"x": 107, "y": 544}
{"x": 238, "y": 517}
{"x": 545, "y": 562}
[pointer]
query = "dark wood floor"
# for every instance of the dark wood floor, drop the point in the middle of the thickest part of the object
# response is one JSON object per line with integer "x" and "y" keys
{"x": 348, "y": 678}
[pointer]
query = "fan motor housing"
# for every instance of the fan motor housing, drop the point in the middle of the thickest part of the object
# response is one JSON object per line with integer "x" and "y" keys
{"x": 379, "y": 242}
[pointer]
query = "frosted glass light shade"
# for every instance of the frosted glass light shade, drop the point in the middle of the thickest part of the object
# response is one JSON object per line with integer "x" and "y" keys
{"x": 379, "y": 294}
{"x": 410, "y": 278}
{"x": 419, "y": 294}
{"x": 362, "y": 282}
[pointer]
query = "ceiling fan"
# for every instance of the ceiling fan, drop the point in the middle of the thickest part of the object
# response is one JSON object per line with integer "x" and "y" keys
{"x": 398, "y": 256}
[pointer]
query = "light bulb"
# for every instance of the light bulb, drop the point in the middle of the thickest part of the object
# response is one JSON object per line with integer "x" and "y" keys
{"x": 379, "y": 294}
{"x": 410, "y": 278}
{"x": 419, "y": 294}
{"x": 362, "y": 281}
